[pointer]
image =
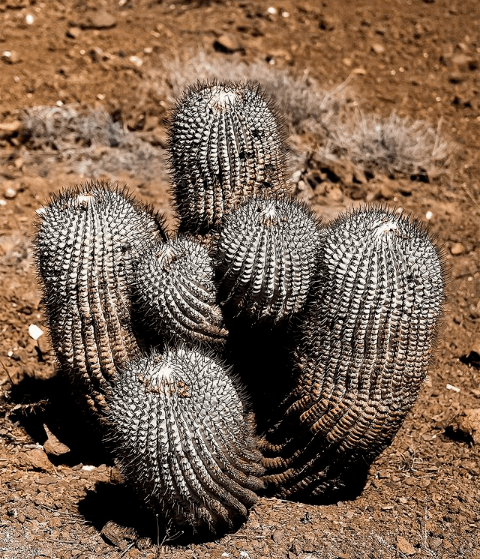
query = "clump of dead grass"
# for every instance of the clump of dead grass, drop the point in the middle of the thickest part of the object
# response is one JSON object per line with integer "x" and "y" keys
{"x": 89, "y": 139}
{"x": 338, "y": 131}
{"x": 392, "y": 145}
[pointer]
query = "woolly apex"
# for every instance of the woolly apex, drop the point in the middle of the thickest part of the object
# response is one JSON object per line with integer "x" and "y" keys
{"x": 179, "y": 433}
{"x": 174, "y": 286}
{"x": 227, "y": 143}
{"x": 86, "y": 239}
{"x": 266, "y": 257}
{"x": 365, "y": 341}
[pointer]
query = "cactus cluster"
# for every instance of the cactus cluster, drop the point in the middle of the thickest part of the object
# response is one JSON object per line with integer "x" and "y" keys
{"x": 143, "y": 323}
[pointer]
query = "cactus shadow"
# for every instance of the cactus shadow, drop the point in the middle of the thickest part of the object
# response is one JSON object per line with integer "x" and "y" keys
{"x": 118, "y": 503}
{"x": 39, "y": 402}
{"x": 260, "y": 356}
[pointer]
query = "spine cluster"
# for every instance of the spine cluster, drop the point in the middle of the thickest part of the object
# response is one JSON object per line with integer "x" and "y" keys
{"x": 143, "y": 323}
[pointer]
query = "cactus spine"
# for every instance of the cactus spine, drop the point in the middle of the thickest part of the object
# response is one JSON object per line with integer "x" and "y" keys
{"x": 226, "y": 144}
{"x": 365, "y": 340}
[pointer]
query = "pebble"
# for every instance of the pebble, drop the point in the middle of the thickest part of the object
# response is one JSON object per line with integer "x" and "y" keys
{"x": 52, "y": 445}
{"x": 99, "y": 20}
{"x": 277, "y": 536}
{"x": 378, "y": 48}
{"x": 10, "y": 57}
{"x": 327, "y": 23}
{"x": 457, "y": 248}
{"x": 8, "y": 129}
{"x": 10, "y": 193}
{"x": 73, "y": 32}
{"x": 404, "y": 546}
{"x": 227, "y": 43}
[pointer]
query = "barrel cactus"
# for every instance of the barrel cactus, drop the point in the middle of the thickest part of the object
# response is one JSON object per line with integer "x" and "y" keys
{"x": 226, "y": 144}
{"x": 179, "y": 431}
{"x": 174, "y": 285}
{"x": 266, "y": 257}
{"x": 365, "y": 340}
{"x": 87, "y": 240}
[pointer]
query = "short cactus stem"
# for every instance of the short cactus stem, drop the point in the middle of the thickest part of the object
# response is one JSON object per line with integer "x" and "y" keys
{"x": 266, "y": 258}
{"x": 179, "y": 433}
{"x": 226, "y": 144}
{"x": 174, "y": 286}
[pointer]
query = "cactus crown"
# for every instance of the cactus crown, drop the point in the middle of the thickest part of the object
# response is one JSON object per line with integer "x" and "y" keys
{"x": 226, "y": 144}
{"x": 266, "y": 257}
{"x": 174, "y": 285}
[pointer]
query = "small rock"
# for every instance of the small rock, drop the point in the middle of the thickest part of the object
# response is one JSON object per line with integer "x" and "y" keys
{"x": 117, "y": 535}
{"x": 327, "y": 23}
{"x": 9, "y": 129}
{"x": 227, "y": 44}
{"x": 73, "y": 32}
{"x": 347, "y": 62}
{"x": 457, "y": 249}
{"x": 35, "y": 332}
{"x": 277, "y": 536}
{"x": 35, "y": 459}
{"x": 99, "y": 20}
{"x": 136, "y": 61}
{"x": 464, "y": 63}
{"x": 466, "y": 426}
{"x": 378, "y": 48}
{"x": 404, "y": 546}
{"x": 52, "y": 445}
{"x": 10, "y": 193}
{"x": 11, "y": 57}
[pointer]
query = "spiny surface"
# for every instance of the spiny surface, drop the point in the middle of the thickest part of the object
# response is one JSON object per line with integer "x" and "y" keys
{"x": 266, "y": 257}
{"x": 226, "y": 144}
{"x": 174, "y": 284}
{"x": 85, "y": 242}
{"x": 179, "y": 432}
{"x": 365, "y": 341}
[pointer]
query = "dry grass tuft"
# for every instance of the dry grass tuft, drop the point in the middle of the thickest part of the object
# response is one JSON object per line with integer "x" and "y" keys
{"x": 337, "y": 130}
{"x": 393, "y": 145}
{"x": 89, "y": 139}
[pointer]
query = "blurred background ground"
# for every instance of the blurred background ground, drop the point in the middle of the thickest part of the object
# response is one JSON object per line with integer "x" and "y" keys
{"x": 382, "y": 103}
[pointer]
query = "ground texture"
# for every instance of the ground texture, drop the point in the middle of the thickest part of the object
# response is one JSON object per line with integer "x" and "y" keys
{"x": 120, "y": 63}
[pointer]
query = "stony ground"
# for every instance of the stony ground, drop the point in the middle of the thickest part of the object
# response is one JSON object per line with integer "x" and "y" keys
{"x": 118, "y": 67}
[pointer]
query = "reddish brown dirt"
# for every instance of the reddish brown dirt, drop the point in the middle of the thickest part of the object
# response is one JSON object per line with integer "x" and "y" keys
{"x": 422, "y": 497}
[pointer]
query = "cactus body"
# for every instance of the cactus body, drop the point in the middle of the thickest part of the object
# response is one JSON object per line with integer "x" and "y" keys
{"x": 266, "y": 257}
{"x": 87, "y": 237}
{"x": 226, "y": 144}
{"x": 365, "y": 340}
{"x": 180, "y": 436}
{"x": 174, "y": 285}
